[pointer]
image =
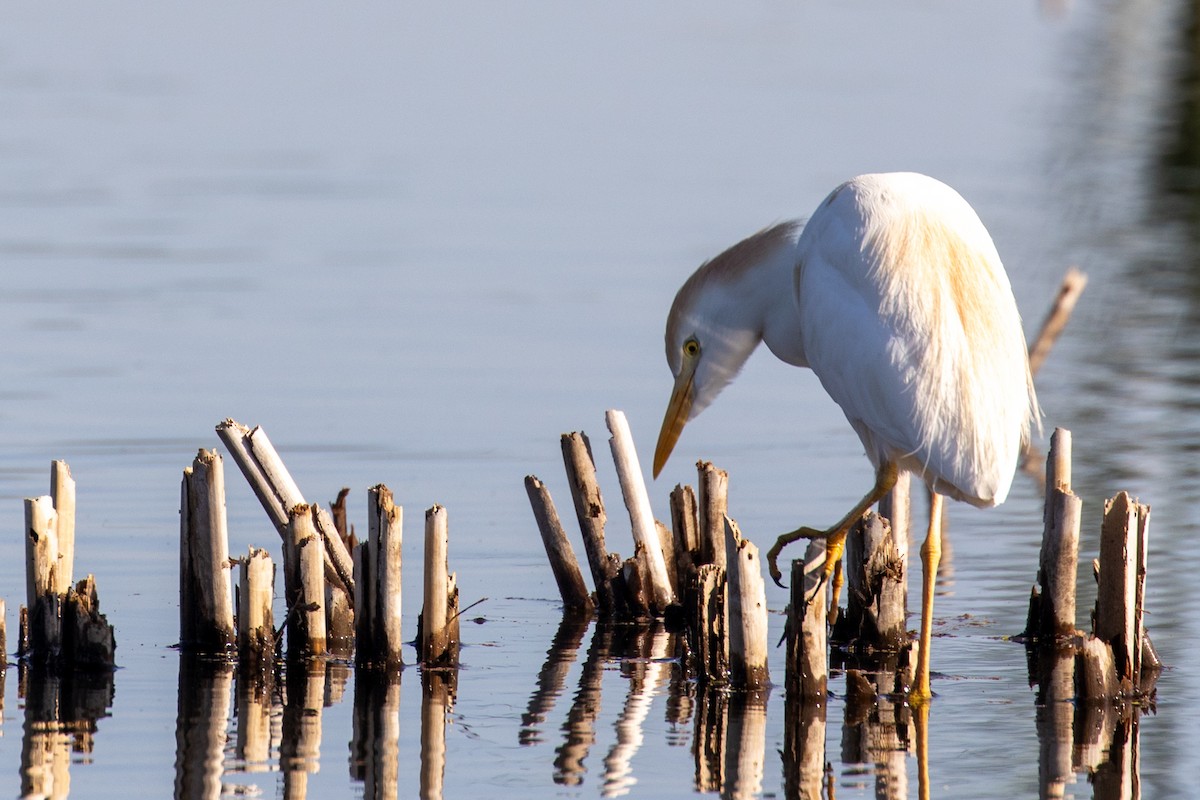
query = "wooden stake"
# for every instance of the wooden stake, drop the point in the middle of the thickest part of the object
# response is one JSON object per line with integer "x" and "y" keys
{"x": 641, "y": 517}
{"x": 278, "y": 493}
{"x": 685, "y": 524}
{"x": 589, "y": 509}
{"x": 378, "y": 563}
{"x": 62, "y": 494}
{"x": 255, "y": 619}
{"x": 304, "y": 584}
{"x": 1060, "y": 544}
{"x": 439, "y": 614}
{"x": 1068, "y": 294}
{"x": 712, "y": 644}
{"x": 558, "y": 548}
{"x": 876, "y": 586}
{"x": 1117, "y": 608}
{"x": 807, "y": 667}
{"x": 206, "y": 600}
{"x": 44, "y": 639}
{"x": 713, "y": 504}
{"x": 746, "y": 610}
{"x": 88, "y": 638}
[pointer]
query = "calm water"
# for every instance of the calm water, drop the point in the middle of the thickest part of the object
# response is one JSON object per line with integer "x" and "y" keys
{"x": 418, "y": 245}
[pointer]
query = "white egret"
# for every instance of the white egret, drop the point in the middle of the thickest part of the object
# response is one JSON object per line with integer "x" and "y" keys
{"x": 894, "y": 295}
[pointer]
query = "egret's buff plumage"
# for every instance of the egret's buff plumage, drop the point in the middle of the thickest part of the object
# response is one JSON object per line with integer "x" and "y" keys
{"x": 894, "y": 294}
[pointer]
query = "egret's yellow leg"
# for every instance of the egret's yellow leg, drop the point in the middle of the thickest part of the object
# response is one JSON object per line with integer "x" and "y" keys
{"x": 921, "y": 718}
{"x": 835, "y": 537}
{"x": 931, "y": 554}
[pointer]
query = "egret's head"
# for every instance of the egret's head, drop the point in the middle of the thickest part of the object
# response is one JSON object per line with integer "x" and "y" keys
{"x": 714, "y": 325}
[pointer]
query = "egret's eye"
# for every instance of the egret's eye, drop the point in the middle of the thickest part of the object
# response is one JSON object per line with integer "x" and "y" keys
{"x": 691, "y": 348}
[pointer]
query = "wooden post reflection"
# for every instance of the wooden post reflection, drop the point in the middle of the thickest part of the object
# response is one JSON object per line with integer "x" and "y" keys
{"x": 553, "y": 675}
{"x": 300, "y": 748}
{"x": 1055, "y": 719}
{"x": 580, "y": 727}
{"x": 374, "y": 748}
{"x": 745, "y": 756}
{"x": 876, "y": 731}
{"x": 438, "y": 687}
{"x": 205, "y": 692}
{"x": 803, "y": 747}
{"x": 647, "y": 672}
{"x": 255, "y": 686}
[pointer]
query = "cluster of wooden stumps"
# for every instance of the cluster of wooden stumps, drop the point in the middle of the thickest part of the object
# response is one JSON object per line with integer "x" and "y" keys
{"x": 66, "y": 648}
{"x": 342, "y": 597}
{"x": 700, "y": 574}
{"x": 342, "y": 601}
{"x": 1090, "y": 685}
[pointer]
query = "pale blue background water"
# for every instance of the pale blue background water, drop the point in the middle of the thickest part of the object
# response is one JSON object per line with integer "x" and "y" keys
{"x": 416, "y": 244}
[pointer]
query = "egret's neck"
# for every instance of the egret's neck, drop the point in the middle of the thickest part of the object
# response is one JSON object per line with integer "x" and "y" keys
{"x": 774, "y": 290}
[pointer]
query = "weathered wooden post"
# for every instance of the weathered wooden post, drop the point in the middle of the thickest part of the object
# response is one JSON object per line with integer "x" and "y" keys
{"x": 278, "y": 493}
{"x": 377, "y": 582}
{"x": 807, "y": 665}
{"x": 746, "y": 611}
{"x": 876, "y": 589}
{"x": 439, "y": 614}
{"x": 685, "y": 525}
{"x": 589, "y": 509}
{"x": 206, "y": 601}
{"x": 711, "y": 644}
{"x": 304, "y": 584}
{"x": 255, "y": 619}
{"x": 44, "y": 639}
{"x": 641, "y": 517}
{"x": 1060, "y": 543}
{"x": 1120, "y": 594}
{"x": 62, "y": 498}
{"x": 567, "y": 575}
{"x": 713, "y": 505}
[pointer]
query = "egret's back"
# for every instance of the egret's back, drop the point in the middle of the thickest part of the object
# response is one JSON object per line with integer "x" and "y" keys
{"x": 920, "y": 339}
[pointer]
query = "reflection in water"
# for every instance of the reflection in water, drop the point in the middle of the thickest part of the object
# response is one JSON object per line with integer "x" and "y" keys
{"x": 553, "y": 675}
{"x": 375, "y": 746}
{"x": 876, "y": 732}
{"x": 647, "y": 671}
{"x": 256, "y": 735}
{"x": 1099, "y": 739}
{"x": 205, "y": 691}
{"x": 581, "y": 720}
{"x": 300, "y": 748}
{"x": 803, "y": 748}
{"x": 729, "y": 743}
{"x": 60, "y": 719}
{"x": 438, "y": 688}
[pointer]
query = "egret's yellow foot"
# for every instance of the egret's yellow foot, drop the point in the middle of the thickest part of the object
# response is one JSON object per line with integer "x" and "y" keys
{"x": 782, "y": 542}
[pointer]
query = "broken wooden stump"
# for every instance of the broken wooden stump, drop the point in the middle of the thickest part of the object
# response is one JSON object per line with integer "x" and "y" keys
{"x": 61, "y": 623}
{"x": 746, "y": 612}
{"x": 304, "y": 584}
{"x": 278, "y": 493}
{"x": 807, "y": 665}
{"x": 876, "y": 590}
{"x": 707, "y": 627}
{"x": 647, "y": 541}
{"x": 1118, "y": 620}
{"x": 255, "y": 619}
{"x": 713, "y": 505}
{"x": 589, "y": 510}
{"x": 563, "y": 563}
{"x": 439, "y": 630}
{"x": 205, "y": 592}
{"x": 377, "y": 581}
{"x": 1110, "y": 664}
